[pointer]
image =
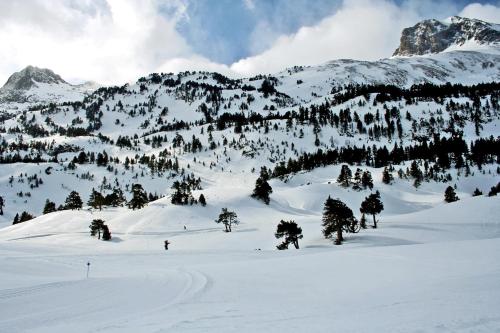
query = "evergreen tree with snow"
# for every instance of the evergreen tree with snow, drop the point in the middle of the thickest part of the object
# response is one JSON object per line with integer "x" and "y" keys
{"x": 477, "y": 192}
{"x": 96, "y": 200}
{"x": 106, "y": 234}
{"x": 49, "y": 207}
{"x": 2, "y": 204}
{"x": 177, "y": 197}
{"x": 96, "y": 228}
{"x": 357, "y": 182}
{"x": 387, "y": 177}
{"x": 416, "y": 173}
{"x": 494, "y": 190}
{"x": 25, "y": 216}
{"x": 344, "y": 179}
{"x": 202, "y": 200}
{"x": 367, "y": 180}
{"x": 73, "y": 201}
{"x": 182, "y": 193}
{"x": 372, "y": 205}
{"x": 228, "y": 218}
{"x": 362, "y": 221}
{"x": 262, "y": 188}
{"x": 450, "y": 195}
{"x": 336, "y": 216}
{"x": 139, "y": 197}
{"x": 116, "y": 198}
{"x": 291, "y": 232}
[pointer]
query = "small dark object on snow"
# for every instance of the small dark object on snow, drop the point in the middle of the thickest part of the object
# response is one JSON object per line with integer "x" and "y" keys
{"x": 166, "y": 244}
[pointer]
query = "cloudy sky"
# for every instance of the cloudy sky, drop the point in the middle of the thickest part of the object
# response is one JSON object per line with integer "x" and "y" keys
{"x": 116, "y": 41}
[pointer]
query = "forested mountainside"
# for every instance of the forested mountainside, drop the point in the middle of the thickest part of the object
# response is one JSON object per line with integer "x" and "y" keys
{"x": 427, "y": 118}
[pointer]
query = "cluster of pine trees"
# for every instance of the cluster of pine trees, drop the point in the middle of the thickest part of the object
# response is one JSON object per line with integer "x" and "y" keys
{"x": 97, "y": 227}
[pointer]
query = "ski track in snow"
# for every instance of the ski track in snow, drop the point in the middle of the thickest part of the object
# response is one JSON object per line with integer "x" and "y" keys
{"x": 96, "y": 295}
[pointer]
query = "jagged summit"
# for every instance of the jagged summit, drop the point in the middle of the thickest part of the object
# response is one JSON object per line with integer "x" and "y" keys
{"x": 434, "y": 36}
{"x": 41, "y": 85}
{"x": 30, "y": 76}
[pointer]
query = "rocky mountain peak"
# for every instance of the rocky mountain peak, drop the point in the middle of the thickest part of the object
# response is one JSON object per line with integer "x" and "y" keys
{"x": 29, "y": 77}
{"x": 433, "y": 36}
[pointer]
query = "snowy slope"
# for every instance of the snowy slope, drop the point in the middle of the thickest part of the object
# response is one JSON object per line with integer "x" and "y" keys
{"x": 400, "y": 282}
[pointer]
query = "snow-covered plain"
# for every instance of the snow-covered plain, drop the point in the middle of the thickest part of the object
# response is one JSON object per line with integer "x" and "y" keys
{"x": 429, "y": 267}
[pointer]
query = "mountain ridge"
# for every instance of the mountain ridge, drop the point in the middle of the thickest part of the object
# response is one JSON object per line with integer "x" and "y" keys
{"x": 30, "y": 76}
{"x": 33, "y": 85}
{"x": 433, "y": 36}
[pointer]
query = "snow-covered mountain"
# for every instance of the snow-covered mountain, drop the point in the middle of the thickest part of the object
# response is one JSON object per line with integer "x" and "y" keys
{"x": 433, "y": 36}
{"x": 34, "y": 85}
{"x": 408, "y": 127}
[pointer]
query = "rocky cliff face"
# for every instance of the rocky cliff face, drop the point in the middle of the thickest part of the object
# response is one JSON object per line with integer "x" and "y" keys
{"x": 29, "y": 77}
{"x": 433, "y": 36}
{"x": 39, "y": 85}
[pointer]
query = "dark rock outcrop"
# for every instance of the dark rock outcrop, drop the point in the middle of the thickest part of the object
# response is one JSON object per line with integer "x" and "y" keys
{"x": 433, "y": 36}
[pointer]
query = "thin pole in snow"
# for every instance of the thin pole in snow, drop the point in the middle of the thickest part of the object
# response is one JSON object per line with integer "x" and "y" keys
{"x": 88, "y": 269}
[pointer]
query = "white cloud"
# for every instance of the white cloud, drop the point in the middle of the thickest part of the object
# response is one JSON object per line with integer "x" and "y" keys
{"x": 360, "y": 29}
{"x": 114, "y": 41}
{"x": 488, "y": 13}
{"x": 108, "y": 41}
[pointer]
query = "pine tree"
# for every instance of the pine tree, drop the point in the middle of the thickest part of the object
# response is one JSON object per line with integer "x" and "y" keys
{"x": 178, "y": 196}
{"x": 372, "y": 205}
{"x": 202, "y": 200}
{"x": 228, "y": 218}
{"x": 477, "y": 192}
{"x": 262, "y": 188}
{"x": 357, "y": 182}
{"x": 291, "y": 232}
{"x": 106, "y": 234}
{"x": 2, "y": 204}
{"x": 25, "y": 216}
{"x": 73, "y": 201}
{"x": 416, "y": 173}
{"x": 367, "y": 180}
{"x": 336, "y": 216}
{"x": 139, "y": 197}
{"x": 116, "y": 198}
{"x": 387, "y": 177}
{"x": 16, "y": 219}
{"x": 344, "y": 179}
{"x": 96, "y": 200}
{"x": 49, "y": 207}
{"x": 450, "y": 195}
{"x": 182, "y": 193}
{"x": 96, "y": 227}
{"x": 494, "y": 190}
{"x": 362, "y": 221}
